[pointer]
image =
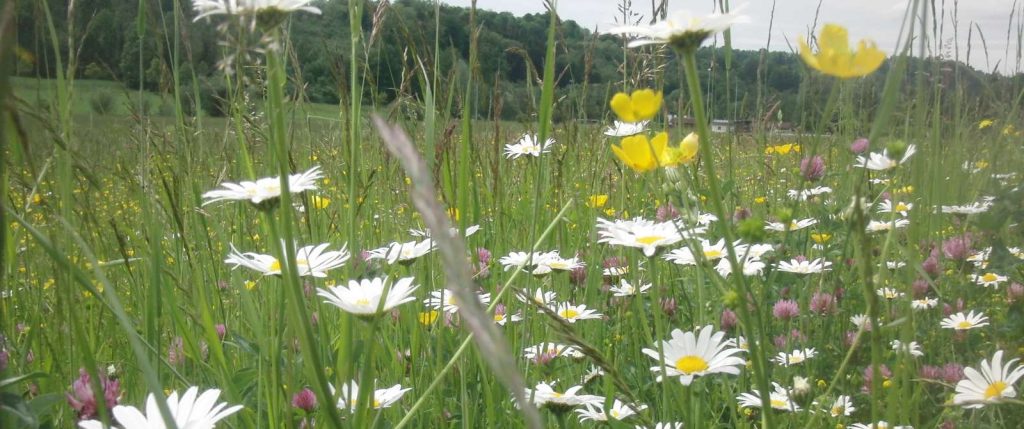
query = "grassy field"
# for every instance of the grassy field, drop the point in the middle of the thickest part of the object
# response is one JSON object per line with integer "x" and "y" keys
{"x": 837, "y": 278}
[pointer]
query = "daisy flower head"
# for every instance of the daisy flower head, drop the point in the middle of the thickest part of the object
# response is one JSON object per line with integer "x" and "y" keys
{"x": 640, "y": 233}
{"x": 555, "y": 262}
{"x": 625, "y": 129}
{"x": 882, "y": 161}
{"x": 967, "y": 209}
{"x": 682, "y": 30}
{"x": 544, "y": 394}
{"x": 382, "y": 398}
{"x": 778, "y": 399}
{"x": 887, "y": 206}
{"x": 312, "y": 261}
{"x": 889, "y": 293}
{"x": 685, "y": 256}
{"x": 843, "y": 406}
{"x": 879, "y": 226}
{"x": 750, "y": 266}
{"x": 794, "y": 225}
{"x": 693, "y": 354}
{"x": 989, "y": 279}
{"x": 795, "y": 357}
{"x": 444, "y": 300}
{"x": 540, "y": 297}
{"x": 806, "y": 194}
{"x": 619, "y": 411}
{"x": 991, "y": 383}
{"x": 403, "y": 253}
{"x": 798, "y": 266}
{"x": 962, "y": 322}
{"x": 912, "y": 348}
{"x": 573, "y": 313}
{"x": 502, "y": 317}
{"x": 529, "y": 145}
{"x": 924, "y": 303}
{"x": 626, "y": 289}
{"x": 363, "y": 297}
{"x": 548, "y": 351}
{"x": 191, "y": 410}
{"x": 204, "y": 8}
{"x": 264, "y": 192}
{"x": 536, "y": 262}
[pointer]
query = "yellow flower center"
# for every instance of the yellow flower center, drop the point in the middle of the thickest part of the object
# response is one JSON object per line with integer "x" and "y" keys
{"x": 995, "y": 390}
{"x": 649, "y": 239}
{"x": 275, "y": 266}
{"x": 428, "y": 317}
{"x": 615, "y": 413}
{"x": 964, "y": 324}
{"x": 691, "y": 364}
{"x": 712, "y": 254}
{"x": 498, "y": 317}
{"x": 568, "y": 313}
{"x": 778, "y": 403}
{"x": 821, "y": 238}
{"x": 989, "y": 277}
{"x": 837, "y": 411}
{"x": 363, "y": 302}
{"x": 302, "y": 262}
{"x": 900, "y": 207}
{"x": 376, "y": 403}
{"x": 795, "y": 359}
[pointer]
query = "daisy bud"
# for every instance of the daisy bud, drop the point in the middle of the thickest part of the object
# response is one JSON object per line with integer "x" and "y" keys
{"x": 801, "y": 385}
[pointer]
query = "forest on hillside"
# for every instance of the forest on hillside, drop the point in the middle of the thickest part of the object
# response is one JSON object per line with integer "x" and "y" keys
{"x": 132, "y": 42}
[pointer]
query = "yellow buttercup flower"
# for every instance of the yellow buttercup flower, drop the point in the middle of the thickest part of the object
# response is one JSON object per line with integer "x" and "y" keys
{"x": 835, "y": 58}
{"x": 985, "y": 123}
{"x": 596, "y": 201}
{"x": 782, "y": 149}
{"x": 320, "y": 202}
{"x": 642, "y": 105}
{"x": 687, "y": 150}
{"x": 644, "y": 155}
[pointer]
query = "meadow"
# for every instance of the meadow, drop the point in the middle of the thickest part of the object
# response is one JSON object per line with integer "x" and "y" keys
{"x": 288, "y": 264}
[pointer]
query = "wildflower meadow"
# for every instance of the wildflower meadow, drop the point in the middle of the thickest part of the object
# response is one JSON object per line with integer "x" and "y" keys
{"x": 374, "y": 214}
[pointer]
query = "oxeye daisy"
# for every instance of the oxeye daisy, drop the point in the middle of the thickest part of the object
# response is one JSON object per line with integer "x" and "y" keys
{"x": 682, "y": 30}
{"x": 688, "y": 355}
{"x": 989, "y": 279}
{"x": 312, "y": 261}
{"x": 924, "y": 303}
{"x": 912, "y": 348}
{"x": 558, "y": 263}
{"x": 750, "y": 266}
{"x": 444, "y": 300}
{"x": 263, "y": 190}
{"x": 804, "y": 266}
{"x": 778, "y": 399}
{"x": 991, "y": 384}
{"x": 879, "y": 226}
{"x": 806, "y": 194}
{"x": 528, "y": 144}
{"x": 626, "y": 289}
{"x": 403, "y": 253}
{"x": 552, "y": 350}
{"x": 625, "y": 129}
{"x": 641, "y": 233}
{"x": 573, "y": 313}
{"x": 501, "y": 316}
{"x": 382, "y": 398}
{"x": 536, "y": 262}
{"x": 540, "y": 297}
{"x": 889, "y": 293}
{"x": 192, "y": 410}
{"x": 796, "y": 357}
{"x": 545, "y": 395}
{"x": 363, "y": 297}
{"x": 967, "y": 209}
{"x": 843, "y": 406}
{"x": 794, "y": 225}
{"x": 619, "y": 411}
{"x": 711, "y": 252}
{"x": 887, "y": 206}
{"x": 961, "y": 322}
{"x": 883, "y": 161}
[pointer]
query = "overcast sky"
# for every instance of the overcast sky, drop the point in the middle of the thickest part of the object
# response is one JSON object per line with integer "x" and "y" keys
{"x": 879, "y": 20}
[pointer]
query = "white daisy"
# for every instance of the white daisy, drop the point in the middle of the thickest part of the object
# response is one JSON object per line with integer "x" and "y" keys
{"x": 795, "y": 358}
{"x": 626, "y": 289}
{"x": 528, "y": 145}
{"x": 445, "y": 300}
{"x": 967, "y": 209}
{"x": 924, "y": 303}
{"x": 794, "y": 225}
{"x": 805, "y": 194}
{"x": 805, "y": 266}
{"x": 989, "y": 279}
{"x": 879, "y": 226}
{"x": 779, "y": 399}
{"x": 882, "y": 161}
{"x": 684, "y": 256}
{"x": 887, "y": 206}
{"x": 681, "y": 28}
{"x": 454, "y": 232}
{"x": 689, "y": 355}
{"x": 912, "y": 348}
{"x": 961, "y": 322}
{"x": 843, "y": 406}
{"x": 861, "y": 321}
{"x": 193, "y": 410}
{"x": 619, "y": 411}
{"x": 642, "y": 234}
{"x": 309, "y": 260}
{"x": 206, "y": 8}
{"x": 625, "y": 129}
{"x": 889, "y": 293}
{"x": 993, "y": 383}
{"x": 540, "y": 297}
{"x": 573, "y": 313}
{"x": 552, "y": 350}
{"x": 750, "y": 266}
{"x": 403, "y": 252}
{"x": 382, "y": 398}
{"x": 545, "y": 394}
{"x": 362, "y": 297}
{"x": 536, "y": 262}
{"x": 265, "y": 189}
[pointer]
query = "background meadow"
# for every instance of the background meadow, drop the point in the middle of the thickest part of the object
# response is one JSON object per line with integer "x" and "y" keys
{"x": 119, "y": 118}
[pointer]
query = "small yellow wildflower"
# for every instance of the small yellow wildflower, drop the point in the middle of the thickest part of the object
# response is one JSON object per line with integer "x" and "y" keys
{"x": 782, "y": 149}
{"x": 687, "y": 150}
{"x": 821, "y": 237}
{"x": 1008, "y": 130}
{"x": 760, "y": 200}
{"x": 596, "y": 201}
{"x": 428, "y": 317}
{"x": 642, "y": 105}
{"x": 644, "y": 155}
{"x": 985, "y": 123}
{"x": 835, "y": 58}
{"x": 454, "y": 213}
{"x": 250, "y": 285}
{"x": 609, "y": 212}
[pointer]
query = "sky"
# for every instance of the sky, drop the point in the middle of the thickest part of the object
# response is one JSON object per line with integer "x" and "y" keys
{"x": 879, "y": 20}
